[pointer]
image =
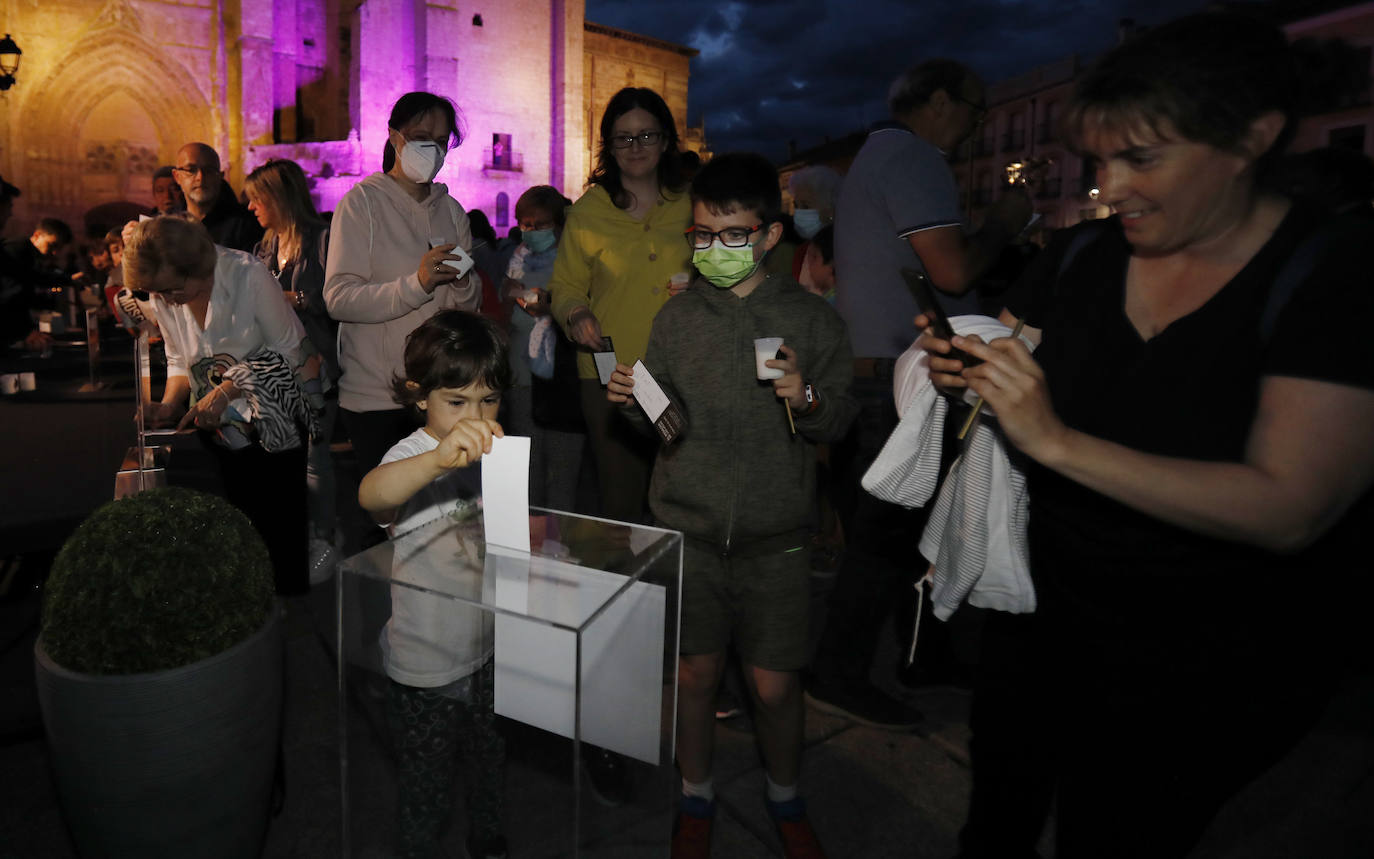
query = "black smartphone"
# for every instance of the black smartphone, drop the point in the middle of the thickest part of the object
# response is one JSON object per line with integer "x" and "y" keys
{"x": 924, "y": 294}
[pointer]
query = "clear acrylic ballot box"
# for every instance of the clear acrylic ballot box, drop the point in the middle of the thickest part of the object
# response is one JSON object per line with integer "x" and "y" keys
{"x": 572, "y": 645}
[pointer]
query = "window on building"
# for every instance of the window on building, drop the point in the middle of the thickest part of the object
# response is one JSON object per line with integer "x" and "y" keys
{"x": 1016, "y": 133}
{"x": 1053, "y": 182}
{"x": 982, "y": 193}
{"x": 987, "y": 144}
{"x": 1048, "y": 128}
{"x": 500, "y": 151}
{"x": 503, "y": 209}
{"x": 501, "y": 155}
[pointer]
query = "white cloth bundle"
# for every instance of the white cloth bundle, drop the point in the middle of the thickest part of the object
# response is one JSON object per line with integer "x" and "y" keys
{"x": 976, "y": 533}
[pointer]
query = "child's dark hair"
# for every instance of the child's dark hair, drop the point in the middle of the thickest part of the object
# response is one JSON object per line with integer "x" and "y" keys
{"x": 739, "y": 180}
{"x": 546, "y": 199}
{"x": 452, "y": 349}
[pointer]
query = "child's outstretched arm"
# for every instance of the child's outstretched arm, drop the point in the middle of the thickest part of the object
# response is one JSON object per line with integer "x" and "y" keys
{"x": 388, "y": 486}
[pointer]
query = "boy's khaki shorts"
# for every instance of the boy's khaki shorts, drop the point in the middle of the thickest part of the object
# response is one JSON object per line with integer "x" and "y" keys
{"x": 761, "y": 603}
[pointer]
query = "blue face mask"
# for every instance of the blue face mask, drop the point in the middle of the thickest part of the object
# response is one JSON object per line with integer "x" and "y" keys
{"x": 807, "y": 222}
{"x": 538, "y": 241}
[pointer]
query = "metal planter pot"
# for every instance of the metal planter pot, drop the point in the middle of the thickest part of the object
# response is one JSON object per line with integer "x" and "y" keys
{"x": 172, "y": 763}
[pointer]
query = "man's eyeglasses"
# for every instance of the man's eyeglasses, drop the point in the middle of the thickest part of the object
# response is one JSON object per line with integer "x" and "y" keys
{"x": 731, "y": 237}
{"x": 194, "y": 170}
{"x": 644, "y": 138}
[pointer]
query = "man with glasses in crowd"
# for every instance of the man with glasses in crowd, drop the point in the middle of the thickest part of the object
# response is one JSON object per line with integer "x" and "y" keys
{"x": 898, "y": 208}
{"x": 167, "y": 196}
{"x": 211, "y": 201}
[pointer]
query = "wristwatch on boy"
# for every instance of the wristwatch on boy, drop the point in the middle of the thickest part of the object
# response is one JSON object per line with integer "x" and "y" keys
{"x": 813, "y": 398}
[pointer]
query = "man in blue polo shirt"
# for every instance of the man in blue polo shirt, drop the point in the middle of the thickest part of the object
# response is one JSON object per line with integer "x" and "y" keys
{"x": 898, "y": 208}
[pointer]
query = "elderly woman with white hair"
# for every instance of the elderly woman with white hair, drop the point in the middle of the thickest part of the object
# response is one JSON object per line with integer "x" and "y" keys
{"x": 237, "y": 371}
{"x": 810, "y": 261}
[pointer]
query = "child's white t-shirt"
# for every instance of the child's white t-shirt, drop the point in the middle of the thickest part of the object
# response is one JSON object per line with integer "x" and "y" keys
{"x": 432, "y": 639}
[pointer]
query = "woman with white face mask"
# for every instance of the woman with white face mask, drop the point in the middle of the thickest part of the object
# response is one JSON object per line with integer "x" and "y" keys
{"x": 394, "y": 244}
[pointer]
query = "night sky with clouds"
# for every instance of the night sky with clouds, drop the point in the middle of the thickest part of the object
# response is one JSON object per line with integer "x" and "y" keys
{"x": 771, "y": 71}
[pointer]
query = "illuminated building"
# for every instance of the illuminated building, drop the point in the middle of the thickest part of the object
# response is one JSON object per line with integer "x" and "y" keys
{"x": 109, "y": 89}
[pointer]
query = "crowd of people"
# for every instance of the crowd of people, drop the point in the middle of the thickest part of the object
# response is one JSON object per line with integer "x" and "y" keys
{"x": 1182, "y": 431}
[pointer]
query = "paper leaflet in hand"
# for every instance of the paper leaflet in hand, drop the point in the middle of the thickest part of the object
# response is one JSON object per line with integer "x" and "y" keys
{"x": 663, "y": 412}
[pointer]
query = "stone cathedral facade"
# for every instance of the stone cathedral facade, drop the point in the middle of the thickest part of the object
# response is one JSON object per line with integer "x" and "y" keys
{"x": 110, "y": 89}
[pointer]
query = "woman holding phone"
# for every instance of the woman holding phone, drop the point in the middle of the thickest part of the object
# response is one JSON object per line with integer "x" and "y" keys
{"x": 620, "y": 249}
{"x": 1193, "y": 430}
{"x": 398, "y": 254}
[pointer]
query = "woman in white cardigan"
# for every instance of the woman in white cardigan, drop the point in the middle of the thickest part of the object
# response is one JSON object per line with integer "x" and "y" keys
{"x": 393, "y": 244}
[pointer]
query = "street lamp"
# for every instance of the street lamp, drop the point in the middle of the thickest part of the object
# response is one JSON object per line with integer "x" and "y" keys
{"x": 9, "y": 62}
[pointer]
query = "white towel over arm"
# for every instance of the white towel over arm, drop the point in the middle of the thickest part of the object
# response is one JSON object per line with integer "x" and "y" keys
{"x": 976, "y": 533}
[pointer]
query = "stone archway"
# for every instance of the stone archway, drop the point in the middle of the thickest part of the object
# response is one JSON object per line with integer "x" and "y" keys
{"x": 110, "y": 61}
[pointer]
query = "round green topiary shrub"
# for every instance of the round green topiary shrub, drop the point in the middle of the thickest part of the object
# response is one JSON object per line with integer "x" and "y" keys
{"x": 163, "y": 579}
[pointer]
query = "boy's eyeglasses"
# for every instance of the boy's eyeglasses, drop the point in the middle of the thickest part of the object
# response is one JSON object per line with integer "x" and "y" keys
{"x": 731, "y": 237}
{"x": 644, "y": 139}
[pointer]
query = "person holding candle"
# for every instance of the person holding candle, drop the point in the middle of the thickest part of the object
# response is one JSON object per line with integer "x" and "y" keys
{"x": 740, "y": 479}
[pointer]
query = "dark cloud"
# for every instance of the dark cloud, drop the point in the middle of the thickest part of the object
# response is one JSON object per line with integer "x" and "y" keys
{"x": 774, "y": 71}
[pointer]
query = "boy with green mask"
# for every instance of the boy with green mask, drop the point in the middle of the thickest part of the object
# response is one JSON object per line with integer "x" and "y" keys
{"x": 739, "y": 483}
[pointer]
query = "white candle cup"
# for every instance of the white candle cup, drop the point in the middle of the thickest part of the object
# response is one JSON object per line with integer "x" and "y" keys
{"x": 766, "y": 349}
{"x": 9, "y": 384}
{"x": 27, "y": 382}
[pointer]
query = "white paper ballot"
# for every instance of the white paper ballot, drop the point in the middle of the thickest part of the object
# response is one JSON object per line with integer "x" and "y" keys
{"x": 647, "y": 392}
{"x": 621, "y": 660}
{"x": 506, "y": 493}
{"x": 665, "y": 416}
{"x": 605, "y": 365}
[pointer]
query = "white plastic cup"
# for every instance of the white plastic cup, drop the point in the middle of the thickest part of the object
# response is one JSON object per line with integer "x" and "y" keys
{"x": 678, "y": 282}
{"x": 9, "y": 384}
{"x": 27, "y": 382}
{"x": 766, "y": 349}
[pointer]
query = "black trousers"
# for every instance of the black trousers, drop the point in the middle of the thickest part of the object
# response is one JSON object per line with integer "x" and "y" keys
{"x": 1136, "y": 756}
{"x": 373, "y": 434}
{"x": 270, "y": 490}
{"x": 881, "y": 561}
{"x": 624, "y": 457}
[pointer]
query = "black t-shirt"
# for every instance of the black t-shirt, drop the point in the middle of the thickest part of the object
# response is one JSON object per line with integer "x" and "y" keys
{"x": 1121, "y": 581}
{"x": 230, "y": 224}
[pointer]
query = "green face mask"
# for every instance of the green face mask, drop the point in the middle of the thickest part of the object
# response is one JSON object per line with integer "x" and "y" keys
{"x": 724, "y": 267}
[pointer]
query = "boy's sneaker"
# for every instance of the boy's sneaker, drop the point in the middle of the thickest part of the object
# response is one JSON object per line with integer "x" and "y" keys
{"x": 794, "y": 830}
{"x": 727, "y": 705}
{"x": 692, "y": 829}
{"x": 486, "y": 848}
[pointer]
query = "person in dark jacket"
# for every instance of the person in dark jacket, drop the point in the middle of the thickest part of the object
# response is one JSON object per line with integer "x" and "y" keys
{"x": 211, "y": 201}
